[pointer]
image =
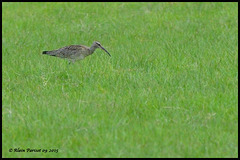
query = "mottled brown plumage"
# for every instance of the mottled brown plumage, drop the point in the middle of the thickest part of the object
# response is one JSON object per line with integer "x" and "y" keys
{"x": 75, "y": 52}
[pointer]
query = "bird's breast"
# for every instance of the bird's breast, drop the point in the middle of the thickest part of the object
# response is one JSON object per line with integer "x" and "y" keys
{"x": 78, "y": 56}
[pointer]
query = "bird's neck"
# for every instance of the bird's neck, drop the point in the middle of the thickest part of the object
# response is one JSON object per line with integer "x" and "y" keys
{"x": 92, "y": 49}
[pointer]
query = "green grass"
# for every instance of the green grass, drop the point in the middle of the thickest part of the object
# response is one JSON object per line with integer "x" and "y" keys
{"x": 170, "y": 88}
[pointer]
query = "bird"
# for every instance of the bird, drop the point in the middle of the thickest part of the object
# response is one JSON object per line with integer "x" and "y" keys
{"x": 75, "y": 52}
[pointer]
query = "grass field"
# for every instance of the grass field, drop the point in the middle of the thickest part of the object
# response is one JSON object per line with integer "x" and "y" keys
{"x": 170, "y": 88}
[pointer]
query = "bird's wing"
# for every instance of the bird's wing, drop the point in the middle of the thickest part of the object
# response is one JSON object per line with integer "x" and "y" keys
{"x": 68, "y": 51}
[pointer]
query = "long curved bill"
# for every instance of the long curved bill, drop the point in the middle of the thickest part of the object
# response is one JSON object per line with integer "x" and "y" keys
{"x": 105, "y": 51}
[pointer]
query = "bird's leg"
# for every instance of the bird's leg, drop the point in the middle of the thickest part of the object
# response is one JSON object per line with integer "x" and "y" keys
{"x": 71, "y": 61}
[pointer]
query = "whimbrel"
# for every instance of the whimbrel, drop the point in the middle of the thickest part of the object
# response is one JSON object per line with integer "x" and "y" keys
{"x": 75, "y": 52}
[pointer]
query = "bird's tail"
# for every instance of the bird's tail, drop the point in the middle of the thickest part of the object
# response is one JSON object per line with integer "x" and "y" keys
{"x": 44, "y": 52}
{"x": 50, "y": 53}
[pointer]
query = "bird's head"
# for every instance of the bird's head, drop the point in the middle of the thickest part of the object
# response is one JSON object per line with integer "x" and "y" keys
{"x": 98, "y": 45}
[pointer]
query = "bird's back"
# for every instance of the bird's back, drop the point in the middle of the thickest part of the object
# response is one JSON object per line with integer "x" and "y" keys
{"x": 71, "y": 51}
